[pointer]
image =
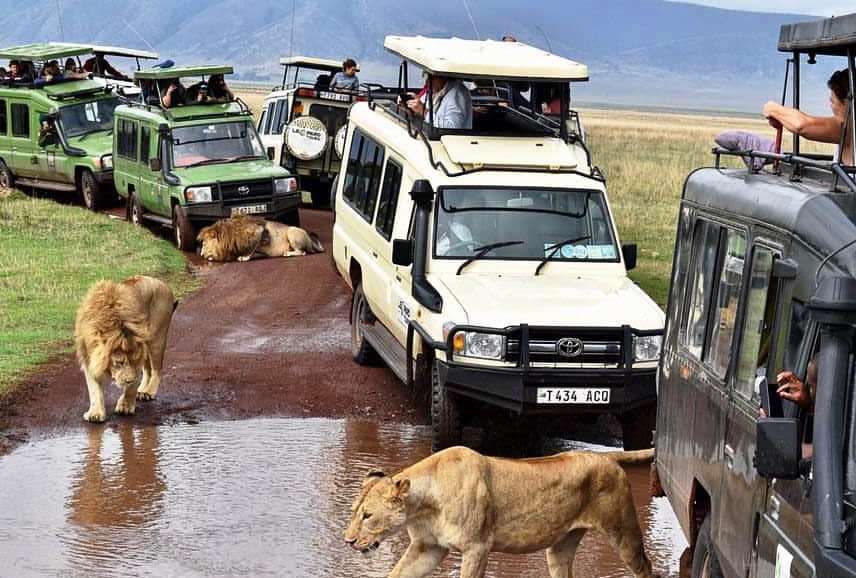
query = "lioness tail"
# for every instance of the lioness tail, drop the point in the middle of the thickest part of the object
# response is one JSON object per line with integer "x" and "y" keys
{"x": 629, "y": 458}
{"x": 316, "y": 243}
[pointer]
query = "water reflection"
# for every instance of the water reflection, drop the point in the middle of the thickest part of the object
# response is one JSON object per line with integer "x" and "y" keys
{"x": 264, "y": 497}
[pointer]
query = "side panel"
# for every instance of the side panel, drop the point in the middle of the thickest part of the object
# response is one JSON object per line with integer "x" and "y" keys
{"x": 24, "y": 131}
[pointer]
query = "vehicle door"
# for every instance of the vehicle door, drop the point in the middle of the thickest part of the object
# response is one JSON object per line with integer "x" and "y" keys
{"x": 269, "y": 140}
{"x": 51, "y": 165}
{"x": 25, "y": 160}
{"x": 127, "y": 158}
{"x": 786, "y": 527}
{"x": 149, "y": 180}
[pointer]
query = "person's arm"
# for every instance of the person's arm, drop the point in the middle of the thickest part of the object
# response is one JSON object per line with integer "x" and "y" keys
{"x": 167, "y": 98}
{"x": 817, "y": 128}
{"x": 793, "y": 389}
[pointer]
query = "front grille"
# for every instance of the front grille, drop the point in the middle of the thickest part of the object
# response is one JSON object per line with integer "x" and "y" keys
{"x": 256, "y": 189}
{"x": 601, "y": 347}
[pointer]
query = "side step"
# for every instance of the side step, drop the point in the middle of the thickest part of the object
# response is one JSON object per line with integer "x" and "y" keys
{"x": 47, "y": 185}
{"x": 390, "y": 350}
{"x": 166, "y": 222}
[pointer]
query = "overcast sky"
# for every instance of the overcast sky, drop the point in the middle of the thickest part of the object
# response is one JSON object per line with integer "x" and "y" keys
{"x": 818, "y": 7}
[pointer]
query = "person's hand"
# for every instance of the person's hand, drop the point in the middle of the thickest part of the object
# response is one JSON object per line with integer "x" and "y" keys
{"x": 793, "y": 389}
{"x": 416, "y": 107}
{"x": 769, "y": 112}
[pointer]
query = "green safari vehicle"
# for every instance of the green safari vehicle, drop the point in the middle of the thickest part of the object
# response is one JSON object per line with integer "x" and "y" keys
{"x": 56, "y": 135}
{"x": 189, "y": 165}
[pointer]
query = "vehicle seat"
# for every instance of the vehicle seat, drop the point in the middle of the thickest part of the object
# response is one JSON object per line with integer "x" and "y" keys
{"x": 323, "y": 82}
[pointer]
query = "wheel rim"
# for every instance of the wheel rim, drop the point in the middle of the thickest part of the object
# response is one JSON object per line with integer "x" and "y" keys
{"x": 4, "y": 178}
{"x": 135, "y": 214}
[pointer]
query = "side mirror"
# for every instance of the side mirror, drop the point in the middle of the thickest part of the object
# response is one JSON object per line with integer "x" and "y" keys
{"x": 402, "y": 252}
{"x": 155, "y": 165}
{"x": 778, "y": 448}
{"x": 629, "y": 254}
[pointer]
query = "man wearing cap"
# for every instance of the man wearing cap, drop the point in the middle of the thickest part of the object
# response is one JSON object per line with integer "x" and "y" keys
{"x": 347, "y": 79}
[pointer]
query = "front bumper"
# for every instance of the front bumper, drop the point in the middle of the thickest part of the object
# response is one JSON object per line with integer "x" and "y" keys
{"x": 275, "y": 207}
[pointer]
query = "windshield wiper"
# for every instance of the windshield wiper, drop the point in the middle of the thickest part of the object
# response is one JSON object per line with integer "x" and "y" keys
{"x": 244, "y": 158}
{"x": 86, "y": 134}
{"x": 556, "y": 248}
{"x": 203, "y": 162}
{"x": 482, "y": 251}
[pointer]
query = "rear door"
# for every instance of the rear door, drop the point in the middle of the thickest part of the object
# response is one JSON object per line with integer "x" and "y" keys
{"x": 25, "y": 160}
{"x": 126, "y": 156}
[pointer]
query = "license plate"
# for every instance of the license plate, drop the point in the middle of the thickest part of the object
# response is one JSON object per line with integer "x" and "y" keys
{"x": 249, "y": 210}
{"x": 581, "y": 395}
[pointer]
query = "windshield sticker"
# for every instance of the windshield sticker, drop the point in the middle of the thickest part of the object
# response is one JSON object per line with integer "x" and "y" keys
{"x": 568, "y": 252}
{"x": 581, "y": 252}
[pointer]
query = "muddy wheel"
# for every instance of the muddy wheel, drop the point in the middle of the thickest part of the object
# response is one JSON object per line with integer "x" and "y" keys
{"x": 445, "y": 414}
{"x": 291, "y": 218}
{"x": 705, "y": 563}
{"x": 361, "y": 350}
{"x": 91, "y": 192}
{"x": 7, "y": 179}
{"x": 183, "y": 230}
{"x": 134, "y": 210}
{"x": 637, "y": 428}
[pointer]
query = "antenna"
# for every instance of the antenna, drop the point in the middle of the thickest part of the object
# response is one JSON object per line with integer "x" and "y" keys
{"x": 140, "y": 36}
{"x": 59, "y": 17}
{"x": 291, "y": 42}
{"x": 546, "y": 38}
{"x": 472, "y": 20}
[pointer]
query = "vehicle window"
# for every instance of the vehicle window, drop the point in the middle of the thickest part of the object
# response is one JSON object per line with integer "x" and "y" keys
{"x": 730, "y": 267}
{"x": 269, "y": 118}
{"x": 20, "y": 120}
{"x": 3, "y": 128}
{"x": 281, "y": 116}
{"x": 705, "y": 245}
{"x": 388, "y": 199}
{"x": 127, "y": 139}
{"x": 539, "y": 218}
{"x": 145, "y": 144}
{"x": 758, "y": 319}
{"x": 333, "y": 117}
{"x": 223, "y": 142}
{"x": 262, "y": 119}
{"x": 362, "y": 178}
{"x": 796, "y": 333}
{"x": 88, "y": 117}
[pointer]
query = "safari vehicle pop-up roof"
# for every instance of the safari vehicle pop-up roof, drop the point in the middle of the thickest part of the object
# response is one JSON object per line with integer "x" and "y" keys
{"x": 118, "y": 51}
{"x": 501, "y": 68}
{"x": 61, "y": 89}
{"x": 295, "y": 64}
{"x": 807, "y": 40}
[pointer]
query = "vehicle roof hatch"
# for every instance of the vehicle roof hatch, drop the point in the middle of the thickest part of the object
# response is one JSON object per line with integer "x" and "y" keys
{"x": 524, "y": 152}
{"x": 830, "y": 36}
{"x": 44, "y": 51}
{"x": 311, "y": 62}
{"x": 182, "y": 72}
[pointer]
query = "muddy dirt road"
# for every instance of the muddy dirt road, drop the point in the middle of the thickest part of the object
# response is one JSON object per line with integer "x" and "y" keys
{"x": 247, "y": 462}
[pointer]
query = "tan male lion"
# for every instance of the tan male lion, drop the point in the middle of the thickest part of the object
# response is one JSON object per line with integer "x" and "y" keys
{"x": 460, "y": 500}
{"x": 239, "y": 238}
{"x": 120, "y": 335}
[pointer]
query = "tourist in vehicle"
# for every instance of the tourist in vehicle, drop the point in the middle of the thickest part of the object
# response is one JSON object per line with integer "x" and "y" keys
{"x": 98, "y": 64}
{"x": 173, "y": 92}
{"x": 3, "y": 73}
{"x": 346, "y": 79}
{"x": 825, "y": 129}
{"x": 50, "y": 73}
{"x": 793, "y": 389}
{"x": 218, "y": 90}
{"x": 20, "y": 72}
{"x": 47, "y": 133}
{"x": 72, "y": 71}
{"x": 452, "y": 104}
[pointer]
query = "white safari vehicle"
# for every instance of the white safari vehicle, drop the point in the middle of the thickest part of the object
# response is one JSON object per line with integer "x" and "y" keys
{"x": 484, "y": 262}
{"x": 302, "y": 122}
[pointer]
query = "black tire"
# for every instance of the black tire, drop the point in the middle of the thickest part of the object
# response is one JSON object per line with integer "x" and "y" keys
{"x": 291, "y": 218}
{"x": 183, "y": 231}
{"x": 362, "y": 352}
{"x": 134, "y": 210}
{"x": 445, "y": 414}
{"x": 637, "y": 428}
{"x": 91, "y": 193}
{"x": 7, "y": 179}
{"x": 705, "y": 562}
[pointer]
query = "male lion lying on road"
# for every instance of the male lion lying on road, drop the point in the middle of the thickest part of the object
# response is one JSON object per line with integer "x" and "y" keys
{"x": 120, "y": 334}
{"x": 239, "y": 238}
{"x": 458, "y": 499}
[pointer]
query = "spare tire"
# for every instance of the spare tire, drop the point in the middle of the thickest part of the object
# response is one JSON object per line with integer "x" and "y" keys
{"x": 306, "y": 138}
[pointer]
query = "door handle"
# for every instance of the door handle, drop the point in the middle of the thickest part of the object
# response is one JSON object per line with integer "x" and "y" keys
{"x": 374, "y": 254}
{"x": 398, "y": 278}
{"x": 774, "y": 507}
{"x": 729, "y": 456}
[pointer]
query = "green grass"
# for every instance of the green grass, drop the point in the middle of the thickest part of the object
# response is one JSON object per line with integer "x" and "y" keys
{"x": 49, "y": 256}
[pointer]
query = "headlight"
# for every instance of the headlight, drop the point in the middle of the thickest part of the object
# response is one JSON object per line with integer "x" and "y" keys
{"x": 282, "y": 186}
{"x": 198, "y": 194}
{"x": 647, "y": 348}
{"x": 107, "y": 163}
{"x": 480, "y": 345}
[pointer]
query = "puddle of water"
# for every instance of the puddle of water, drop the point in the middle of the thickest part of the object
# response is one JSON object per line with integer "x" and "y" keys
{"x": 263, "y": 497}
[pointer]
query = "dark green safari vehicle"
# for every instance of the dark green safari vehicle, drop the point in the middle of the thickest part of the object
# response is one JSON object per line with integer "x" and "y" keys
{"x": 189, "y": 165}
{"x": 56, "y": 135}
{"x": 764, "y": 281}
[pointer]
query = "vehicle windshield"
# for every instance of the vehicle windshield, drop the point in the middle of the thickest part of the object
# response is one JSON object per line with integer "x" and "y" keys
{"x": 215, "y": 143}
{"x": 470, "y": 219}
{"x": 88, "y": 117}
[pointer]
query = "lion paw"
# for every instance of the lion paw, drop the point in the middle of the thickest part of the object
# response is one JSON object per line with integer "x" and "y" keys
{"x": 124, "y": 408}
{"x": 143, "y": 396}
{"x": 94, "y": 416}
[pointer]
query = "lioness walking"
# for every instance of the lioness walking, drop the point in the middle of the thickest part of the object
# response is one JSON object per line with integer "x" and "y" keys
{"x": 120, "y": 334}
{"x": 458, "y": 499}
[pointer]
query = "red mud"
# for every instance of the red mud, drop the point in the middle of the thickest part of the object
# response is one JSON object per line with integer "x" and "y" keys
{"x": 265, "y": 338}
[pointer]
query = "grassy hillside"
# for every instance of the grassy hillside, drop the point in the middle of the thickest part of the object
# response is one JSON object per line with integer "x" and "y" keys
{"x": 50, "y": 255}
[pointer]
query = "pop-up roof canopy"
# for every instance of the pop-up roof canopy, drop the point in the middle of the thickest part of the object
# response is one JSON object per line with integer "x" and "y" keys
{"x": 114, "y": 50}
{"x": 485, "y": 59}
{"x": 831, "y": 36}
{"x": 310, "y": 62}
{"x": 181, "y": 72}
{"x": 43, "y": 52}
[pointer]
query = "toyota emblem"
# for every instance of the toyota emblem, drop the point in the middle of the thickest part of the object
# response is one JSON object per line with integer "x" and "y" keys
{"x": 569, "y": 347}
{"x": 243, "y": 190}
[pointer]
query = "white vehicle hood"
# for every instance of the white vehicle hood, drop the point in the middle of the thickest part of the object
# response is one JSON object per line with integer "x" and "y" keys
{"x": 490, "y": 300}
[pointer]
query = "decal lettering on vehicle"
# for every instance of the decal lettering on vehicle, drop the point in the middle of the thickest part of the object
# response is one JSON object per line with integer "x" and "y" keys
{"x": 403, "y": 313}
{"x": 334, "y": 96}
{"x": 783, "y": 562}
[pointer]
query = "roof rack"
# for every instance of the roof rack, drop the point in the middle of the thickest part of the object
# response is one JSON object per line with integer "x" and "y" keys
{"x": 170, "y": 113}
{"x": 311, "y": 62}
{"x": 839, "y": 172}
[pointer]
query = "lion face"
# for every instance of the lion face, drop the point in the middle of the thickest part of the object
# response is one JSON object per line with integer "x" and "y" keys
{"x": 377, "y": 512}
{"x": 124, "y": 370}
{"x": 208, "y": 240}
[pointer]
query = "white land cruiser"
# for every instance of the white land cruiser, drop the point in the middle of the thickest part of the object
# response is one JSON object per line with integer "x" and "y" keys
{"x": 484, "y": 262}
